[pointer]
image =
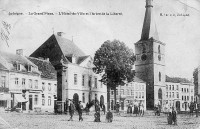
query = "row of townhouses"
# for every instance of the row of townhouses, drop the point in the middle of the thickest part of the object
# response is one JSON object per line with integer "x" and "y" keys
{"x": 27, "y": 84}
{"x": 180, "y": 95}
{"x": 132, "y": 93}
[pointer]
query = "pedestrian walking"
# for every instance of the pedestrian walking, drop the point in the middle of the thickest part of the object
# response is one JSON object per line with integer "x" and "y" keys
{"x": 87, "y": 108}
{"x": 117, "y": 106}
{"x": 174, "y": 116}
{"x": 104, "y": 109}
{"x": 141, "y": 110}
{"x": 71, "y": 110}
{"x": 109, "y": 116}
{"x": 196, "y": 109}
{"x": 80, "y": 111}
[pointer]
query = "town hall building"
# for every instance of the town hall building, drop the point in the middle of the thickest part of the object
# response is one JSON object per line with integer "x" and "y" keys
{"x": 75, "y": 77}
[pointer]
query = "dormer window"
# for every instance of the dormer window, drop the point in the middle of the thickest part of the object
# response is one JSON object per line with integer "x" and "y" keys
{"x": 17, "y": 66}
{"x": 29, "y": 68}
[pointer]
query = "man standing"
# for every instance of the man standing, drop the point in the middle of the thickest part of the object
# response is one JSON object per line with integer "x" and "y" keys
{"x": 80, "y": 111}
{"x": 117, "y": 107}
{"x": 71, "y": 110}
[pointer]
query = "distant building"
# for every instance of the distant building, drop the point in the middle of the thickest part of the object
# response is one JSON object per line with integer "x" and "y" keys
{"x": 129, "y": 94}
{"x": 48, "y": 83}
{"x": 24, "y": 79}
{"x": 27, "y": 83}
{"x": 179, "y": 95}
{"x": 76, "y": 79}
{"x": 4, "y": 90}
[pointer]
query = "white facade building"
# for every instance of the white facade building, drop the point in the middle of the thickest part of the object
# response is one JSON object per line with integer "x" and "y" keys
{"x": 129, "y": 94}
{"x": 179, "y": 95}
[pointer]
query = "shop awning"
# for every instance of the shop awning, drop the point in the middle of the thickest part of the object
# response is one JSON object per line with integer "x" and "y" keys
{"x": 19, "y": 98}
{"x": 4, "y": 96}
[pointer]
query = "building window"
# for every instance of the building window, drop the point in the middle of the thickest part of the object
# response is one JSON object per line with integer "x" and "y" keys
{"x": 16, "y": 81}
{"x": 83, "y": 97}
{"x": 142, "y": 94}
{"x": 3, "y": 81}
{"x": 36, "y": 100}
{"x": 159, "y": 76}
{"x": 101, "y": 84}
{"x": 30, "y": 83}
{"x": 187, "y": 97}
{"x": 95, "y": 82}
{"x": 29, "y": 68}
{"x": 17, "y": 66}
{"x": 43, "y": 100}
{"x": 182, "y": 98}
{"x": 167, "y": 94}
{"x": 83, "y": 80}
{"x": 122, "y": 92}
{"x": 75, "y": 79}
{"x": 191, "y": 98}
{"x": 182, "y": 89}
{"x": 55, "y": 86}
{"x": 43, "y": 86}
{"x": 172, "y": 87}
{"x": 172, "y": 94}
{"x": 187, "y": 90}
{"x": 49, "y": 86}
{"x": 112, "y": 92}
{"x": 49, "y": 101}
{"x": 36, "y": 84}
{"x": 139, "y": 94}
{"x": 158, "y": 48}
{"x": 132, "y": 92}
{"x": 166, "y": 87}
{"x": 90, "y": 81}
{"x": 177, "y": 95}
{"x": 127, "y": 91}
{"x": 136, "y": 95}
{"x": 177, "y": 88}
{"x": 23, "y": 81}
{"x": 95, "y": 96}
{"x": 169, "y": 87}
{"x": 182, "y": 105}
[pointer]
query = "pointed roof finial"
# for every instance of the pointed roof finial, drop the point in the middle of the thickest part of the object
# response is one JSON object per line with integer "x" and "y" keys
{"x": 149, "y": 29}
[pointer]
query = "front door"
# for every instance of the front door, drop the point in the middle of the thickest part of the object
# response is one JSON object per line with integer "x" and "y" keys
{"x": 30, "y": 102}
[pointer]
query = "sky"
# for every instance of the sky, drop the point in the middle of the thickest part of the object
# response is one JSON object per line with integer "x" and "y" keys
{"x": 181, "y": 34}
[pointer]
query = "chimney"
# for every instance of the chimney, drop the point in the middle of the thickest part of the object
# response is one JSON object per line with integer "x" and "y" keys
{"x": 60, "y": 33}
{"x": 19, "y": 52}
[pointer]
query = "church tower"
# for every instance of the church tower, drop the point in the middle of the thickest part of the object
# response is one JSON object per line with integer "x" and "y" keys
{"x": 150, "y": 59}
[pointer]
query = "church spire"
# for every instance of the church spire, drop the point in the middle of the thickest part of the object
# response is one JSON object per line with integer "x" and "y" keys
{"x": 149, "y": 29}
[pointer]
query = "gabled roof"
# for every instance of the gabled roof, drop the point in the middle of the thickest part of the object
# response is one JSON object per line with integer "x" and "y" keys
{"x": 136, "y": 79}
{"x": 2, "y": 67}
{"x": 13, "y": 58}
{"x": 47, "y": 69}
{"x": 68, "y": 47}
{"x": 81, "y": 59}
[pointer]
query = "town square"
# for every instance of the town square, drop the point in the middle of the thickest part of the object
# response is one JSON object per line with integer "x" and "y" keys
{"x": 99, "y": 64}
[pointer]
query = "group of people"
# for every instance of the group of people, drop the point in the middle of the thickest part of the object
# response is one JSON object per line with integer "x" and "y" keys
{"x": 79, "y": 108}
{"x": 136, "y": 108}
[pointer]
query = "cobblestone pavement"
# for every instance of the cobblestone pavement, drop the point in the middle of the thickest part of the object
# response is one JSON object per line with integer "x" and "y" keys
{"x": 124, "y": 121}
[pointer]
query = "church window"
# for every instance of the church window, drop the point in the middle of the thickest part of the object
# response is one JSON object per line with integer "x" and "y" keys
{"x": 158, "y": 48}
{"x": 159, "y": 76}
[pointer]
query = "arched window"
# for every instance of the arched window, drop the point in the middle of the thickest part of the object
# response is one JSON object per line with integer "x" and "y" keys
{"x": 158, "y": 48}
{"x": 159, "y": 76}
{"x": 160, "y": 93}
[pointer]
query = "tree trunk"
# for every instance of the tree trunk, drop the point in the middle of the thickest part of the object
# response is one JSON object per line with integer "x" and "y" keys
{"x": 108, "y": 98}
{"x": 115, "y": 97}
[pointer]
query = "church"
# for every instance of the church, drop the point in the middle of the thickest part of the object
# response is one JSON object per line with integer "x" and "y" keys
{"x": 150, "y": 60}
